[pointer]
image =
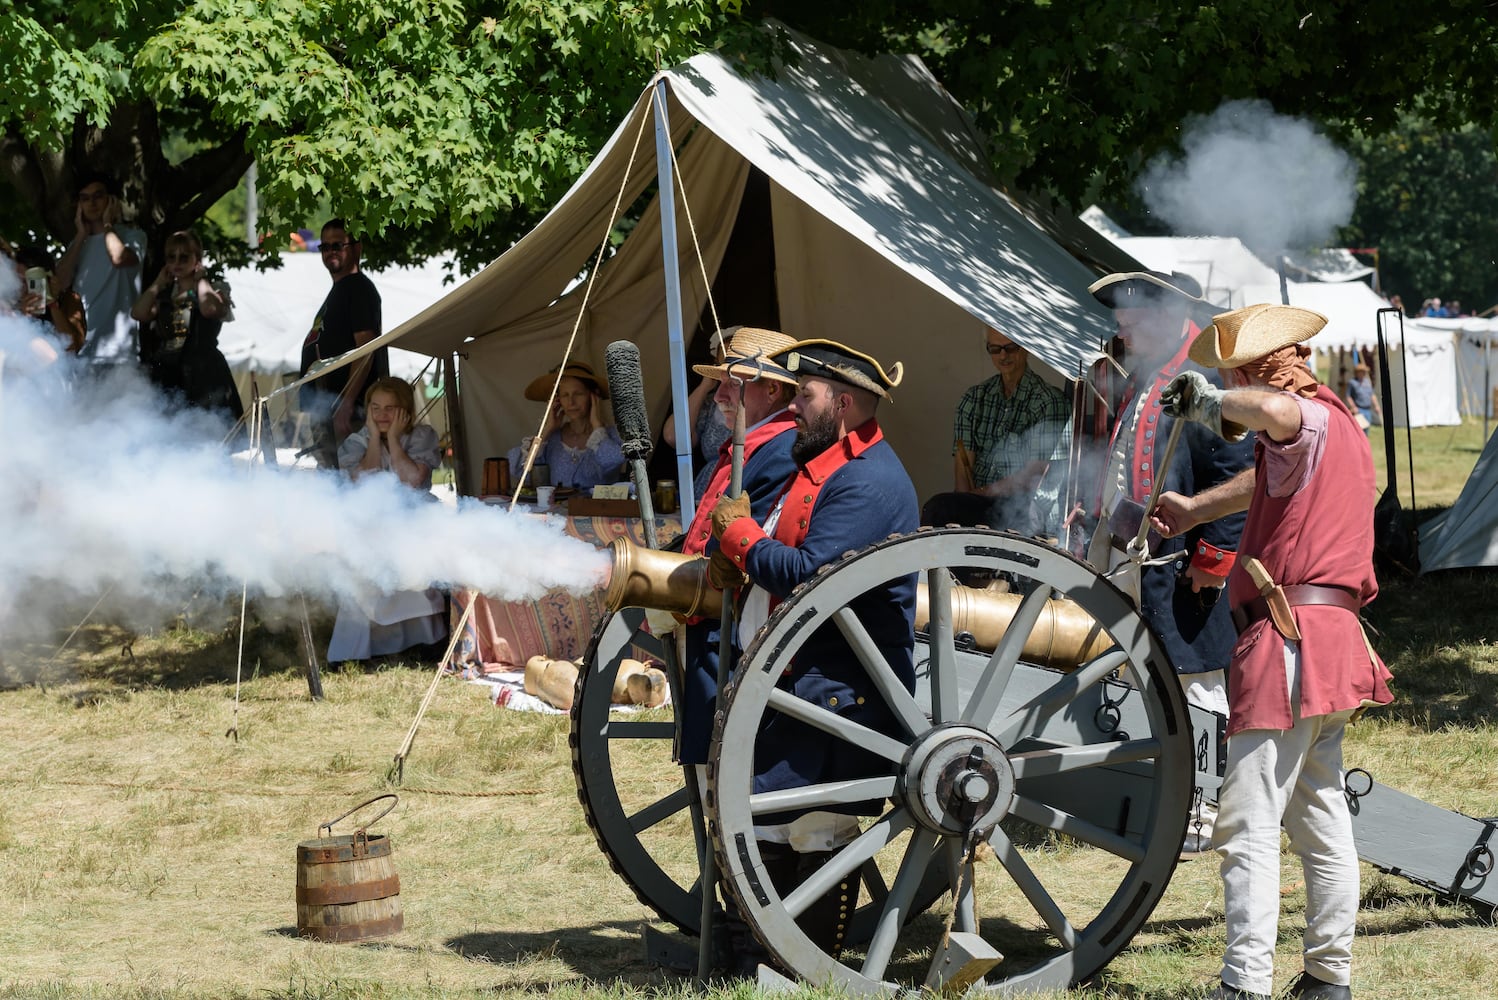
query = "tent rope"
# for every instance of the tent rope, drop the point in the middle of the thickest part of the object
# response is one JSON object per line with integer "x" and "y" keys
{"x": 398, "y": 766}
{"x": 244, "y": 589}
{"x": 686, "y": 204}
{"x": 582, "y": 309}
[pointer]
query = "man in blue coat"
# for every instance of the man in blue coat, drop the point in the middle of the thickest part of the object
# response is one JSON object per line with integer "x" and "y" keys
{"x": 1158, "y": 316}
{"x": 849, "y": 491}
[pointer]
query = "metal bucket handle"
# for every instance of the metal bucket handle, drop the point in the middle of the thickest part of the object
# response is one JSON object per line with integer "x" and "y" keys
{"x": 360, "y": 838}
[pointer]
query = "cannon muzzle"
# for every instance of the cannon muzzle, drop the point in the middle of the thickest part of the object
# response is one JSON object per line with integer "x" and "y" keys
{"x": 666, "y": 581}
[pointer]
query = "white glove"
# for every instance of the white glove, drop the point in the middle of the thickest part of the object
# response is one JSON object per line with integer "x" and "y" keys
{"x": 1189, "y": 396}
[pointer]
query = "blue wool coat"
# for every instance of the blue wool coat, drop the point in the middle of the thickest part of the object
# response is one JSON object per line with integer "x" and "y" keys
{"x": 862, "y": 500}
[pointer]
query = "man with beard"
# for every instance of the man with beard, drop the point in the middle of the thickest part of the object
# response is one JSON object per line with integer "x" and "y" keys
{"x": 849, "y": 491}
{"x": 1158, "y": 315}
{"x": 349, "y": 318}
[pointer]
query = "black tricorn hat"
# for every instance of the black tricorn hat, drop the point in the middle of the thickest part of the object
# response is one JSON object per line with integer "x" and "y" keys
{"x": 840, "y": 363}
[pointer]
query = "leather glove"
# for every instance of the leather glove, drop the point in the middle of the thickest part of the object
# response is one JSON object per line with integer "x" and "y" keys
{"x": 1190, "y": 396}
{"x": 728, "y": 511}
{"x": 723, "y": 573}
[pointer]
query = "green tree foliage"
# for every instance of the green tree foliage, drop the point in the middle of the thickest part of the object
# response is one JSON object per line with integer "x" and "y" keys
{"x": 435, "y": 122}
{"x": 455, "y": 123}
{"x": 1428, "y": 200}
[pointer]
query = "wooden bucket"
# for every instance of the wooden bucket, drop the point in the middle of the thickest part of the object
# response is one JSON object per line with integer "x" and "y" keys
{"x": 346, "y": 886}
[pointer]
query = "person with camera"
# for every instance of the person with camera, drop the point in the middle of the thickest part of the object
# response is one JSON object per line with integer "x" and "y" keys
{"x": 102, "y": 263}
{"x": 41, "y": 297}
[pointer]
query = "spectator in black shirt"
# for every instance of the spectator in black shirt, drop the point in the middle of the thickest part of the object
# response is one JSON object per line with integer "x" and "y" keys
{"x": 349, "y": 318}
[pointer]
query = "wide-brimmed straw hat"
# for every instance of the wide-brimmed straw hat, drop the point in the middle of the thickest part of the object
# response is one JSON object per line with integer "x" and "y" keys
{"x": 539, "y": 391}
{"x": 840, "y": 363}
{"x": 748, "y": 354}
{"x": 1149, "y": 290}
{"x": 1243, "y": 335}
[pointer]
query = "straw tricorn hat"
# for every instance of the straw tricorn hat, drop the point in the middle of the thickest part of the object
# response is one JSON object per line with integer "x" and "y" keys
{"x": 748, "y": 355}
{"x": 840, "y": 363}
{"x": 1243, "y": 335}
{"x": 539, "y": 391}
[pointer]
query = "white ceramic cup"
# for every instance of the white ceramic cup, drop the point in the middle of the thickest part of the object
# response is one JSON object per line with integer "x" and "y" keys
{"x": 543, "y": 497}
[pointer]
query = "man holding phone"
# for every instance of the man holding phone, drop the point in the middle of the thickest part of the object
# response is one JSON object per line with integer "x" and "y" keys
{"x": 46, "y": 299}
{"x": 102, "y": 263}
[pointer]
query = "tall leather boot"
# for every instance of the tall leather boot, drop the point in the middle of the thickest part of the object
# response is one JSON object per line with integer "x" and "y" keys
{"x": 747, "y": 953}
{"x": 826, "y": 920}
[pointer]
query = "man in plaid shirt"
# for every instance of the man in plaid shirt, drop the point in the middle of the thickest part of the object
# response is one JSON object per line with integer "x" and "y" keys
{"x": 1007, "y": 432}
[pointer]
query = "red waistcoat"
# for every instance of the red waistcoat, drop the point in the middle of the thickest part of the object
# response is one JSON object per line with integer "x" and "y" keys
{"x": 801, "y": 495}
{"x": 700, "y": 529}
{"x": 1321, "y": 535}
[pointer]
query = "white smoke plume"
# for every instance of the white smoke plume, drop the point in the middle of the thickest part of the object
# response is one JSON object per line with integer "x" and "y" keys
{"x": 102, "y": 490}
{"x": 1273, "y": 181}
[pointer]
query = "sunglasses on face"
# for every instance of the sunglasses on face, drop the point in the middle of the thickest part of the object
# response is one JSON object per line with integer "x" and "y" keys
{"x": 1003, "y": 348}
{"x": 335, "y": 247}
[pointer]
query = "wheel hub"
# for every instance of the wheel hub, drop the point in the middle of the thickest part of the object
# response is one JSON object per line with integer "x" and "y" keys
{"x": 957, "y": 779}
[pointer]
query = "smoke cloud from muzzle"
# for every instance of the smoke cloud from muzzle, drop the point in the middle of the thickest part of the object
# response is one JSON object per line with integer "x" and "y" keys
{"x": 1275, "y": 182}
{"x": 104, "y": 489}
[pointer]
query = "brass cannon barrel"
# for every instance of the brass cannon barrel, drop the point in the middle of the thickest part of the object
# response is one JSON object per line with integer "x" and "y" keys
{"x": 1064, "y": 636}
{"x": 666, "y": 581}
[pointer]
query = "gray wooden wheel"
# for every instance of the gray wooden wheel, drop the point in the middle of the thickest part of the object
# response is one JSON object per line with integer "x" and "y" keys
{"x": 646, "y": 835}
{"x": 1083, "y": 826}
{"x": 642, "y": 834}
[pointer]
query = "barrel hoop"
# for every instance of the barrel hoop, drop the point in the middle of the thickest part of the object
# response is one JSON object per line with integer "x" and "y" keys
{"x": 357, "y": 892}
{"x": 355, "y": 932}
{"x": 318, "y": 852}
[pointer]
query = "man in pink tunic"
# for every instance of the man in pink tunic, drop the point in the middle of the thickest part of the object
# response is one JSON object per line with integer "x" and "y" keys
{"x": 1302, "y": 667}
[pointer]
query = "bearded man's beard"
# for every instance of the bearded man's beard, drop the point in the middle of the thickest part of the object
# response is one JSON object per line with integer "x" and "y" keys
{"x": 819, "y": 434}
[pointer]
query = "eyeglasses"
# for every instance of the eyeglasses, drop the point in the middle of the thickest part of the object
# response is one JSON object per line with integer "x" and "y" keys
{"x": 335, "y": 247}
{"x": 1003, "y": 348}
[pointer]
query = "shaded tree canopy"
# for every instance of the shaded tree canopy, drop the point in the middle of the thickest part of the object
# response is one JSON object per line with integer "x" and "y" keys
{"x": 455, "y": 123}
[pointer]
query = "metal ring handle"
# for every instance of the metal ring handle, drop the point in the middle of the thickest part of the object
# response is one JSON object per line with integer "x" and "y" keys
{"x": 1479, "y": 862}
{"x": 1347, "y": 788}
{"x": 328, "y": 826}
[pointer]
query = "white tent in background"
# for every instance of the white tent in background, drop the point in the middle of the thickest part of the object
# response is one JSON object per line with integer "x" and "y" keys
{"x": 273, "y": 310}
{"x": 874, "y": 224}
{"x": 1467, "y": 534}
{"x": 1476, "y": 342}
{"x": 1222, "y": 265}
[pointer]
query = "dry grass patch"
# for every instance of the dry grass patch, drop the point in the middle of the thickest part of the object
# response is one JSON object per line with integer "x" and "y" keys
{"x": 144, "y": 854}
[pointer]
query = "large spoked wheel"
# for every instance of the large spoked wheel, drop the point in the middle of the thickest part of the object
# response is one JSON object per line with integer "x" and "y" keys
{"x": 983, "y": 775}
{"x": 645, "y": 828}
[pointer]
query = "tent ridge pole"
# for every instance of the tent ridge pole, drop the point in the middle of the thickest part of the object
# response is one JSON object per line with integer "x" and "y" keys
{"x": 666, "y": 198}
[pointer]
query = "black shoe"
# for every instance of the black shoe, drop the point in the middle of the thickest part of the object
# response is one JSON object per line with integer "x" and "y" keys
{"x": 1226, "y": 992}
{"x": 1308, "y": 986}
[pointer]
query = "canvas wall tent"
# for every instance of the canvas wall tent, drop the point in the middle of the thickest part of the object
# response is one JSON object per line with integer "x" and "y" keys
{"x": 1467, "y": 534}
{"x": 1476, "y": 341}
{"x": 879, "y": 230}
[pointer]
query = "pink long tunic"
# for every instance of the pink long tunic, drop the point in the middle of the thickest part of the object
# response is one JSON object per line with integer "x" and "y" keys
{"x": 1310, "y": 522}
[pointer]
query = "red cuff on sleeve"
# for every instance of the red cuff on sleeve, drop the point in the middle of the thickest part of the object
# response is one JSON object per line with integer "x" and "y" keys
{"x": 739, "y": 537}
{"x": 1212, "y": 560}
